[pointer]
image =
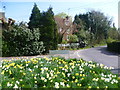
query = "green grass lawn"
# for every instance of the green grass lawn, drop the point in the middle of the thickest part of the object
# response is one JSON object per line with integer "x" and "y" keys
{"x": 56, "y": 72}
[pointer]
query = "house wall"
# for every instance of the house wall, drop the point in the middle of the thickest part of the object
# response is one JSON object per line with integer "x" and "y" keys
{"x": 2, "y": 15}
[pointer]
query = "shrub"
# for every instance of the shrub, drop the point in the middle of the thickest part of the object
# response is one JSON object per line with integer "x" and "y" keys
{"x": 109, "y": 40}
{"x": 21, "y": 41}
{"x": 114, "y": 47}
{"x": 72, "y": 38}
{"x": 64, "y": 42}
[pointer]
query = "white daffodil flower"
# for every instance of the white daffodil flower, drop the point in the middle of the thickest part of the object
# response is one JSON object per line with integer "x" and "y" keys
{"x": 56, "y": 85}
{"x": 17, "y": 82}
{"x": 15, "y": 86}
{"x": 62, "y": 83}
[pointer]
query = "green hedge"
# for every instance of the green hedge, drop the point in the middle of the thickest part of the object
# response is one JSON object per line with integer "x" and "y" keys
{"x": 114, "y": 47}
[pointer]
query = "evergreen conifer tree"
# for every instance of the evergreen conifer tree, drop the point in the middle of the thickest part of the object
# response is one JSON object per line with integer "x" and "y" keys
{"x": 49, "y": 30}
{"x": 34, "y": 18}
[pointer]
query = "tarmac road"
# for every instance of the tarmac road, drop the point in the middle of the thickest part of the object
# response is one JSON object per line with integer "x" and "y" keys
{"x": 100, "y": 55}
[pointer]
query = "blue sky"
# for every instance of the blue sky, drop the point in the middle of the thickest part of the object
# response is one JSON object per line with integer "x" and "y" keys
{"x": 20, "y": 10}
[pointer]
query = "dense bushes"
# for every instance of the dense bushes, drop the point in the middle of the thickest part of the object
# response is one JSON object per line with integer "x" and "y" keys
{"x": 21, "y": 41}
{"x": 114, "y": 47}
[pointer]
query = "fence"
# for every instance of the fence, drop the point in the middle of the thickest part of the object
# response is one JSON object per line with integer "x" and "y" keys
{"x": 72, "y": 45}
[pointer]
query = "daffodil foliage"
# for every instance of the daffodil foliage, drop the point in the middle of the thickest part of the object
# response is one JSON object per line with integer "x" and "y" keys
{"x": 56, "y": 72}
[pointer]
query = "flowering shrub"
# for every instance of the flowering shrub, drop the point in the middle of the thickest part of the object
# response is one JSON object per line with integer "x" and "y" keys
{"x": 56, "y": 72}
{"x": 21, "y": 41}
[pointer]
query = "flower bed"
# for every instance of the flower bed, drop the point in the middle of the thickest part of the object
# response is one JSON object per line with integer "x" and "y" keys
{"x": 56, "y": 72}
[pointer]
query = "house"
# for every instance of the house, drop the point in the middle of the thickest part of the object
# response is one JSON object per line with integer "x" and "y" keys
{"x": 2, "y": 16}
{"x": 65, "y": 27}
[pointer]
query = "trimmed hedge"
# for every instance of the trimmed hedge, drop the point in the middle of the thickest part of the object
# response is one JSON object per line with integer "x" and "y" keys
{"x": 114, "y": 47}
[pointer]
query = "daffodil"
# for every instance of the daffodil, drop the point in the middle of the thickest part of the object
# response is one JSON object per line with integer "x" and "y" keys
{"x": 62, "y": 83}
{"x": 56, "y": 85}
{"x": 57, "y": 72}
{"x": 97, "y": 87}
{"x": 59, "y": 62}
{"x": 77, "y": 74}
{"x": 21, "y": 80}
{"x": 63, "y": 74}
{"x": 35, "y": 78}
{"x": 60, "y": 67}
{"x": 17, "y": 82}
{"x": 35, "y": 81}
{"x": 82, "y": 78}
{"x": 83, "y": 75}
{"x": 89, "y": 87}
{"x": 13, "y": 78}
{"x": 73, "y": 77}
{"x": 54, "y": 68}
{"x": 23, "y": 85}
{"x": 68, "y": 85}
{"x": 10, "y": 72}
{"x": 3, "y": 72}
{"x": 76, "y": 80}
{"x": 80, "y": 74}
{"x": 79, "y": 84}
{"x": 42, "y": 78}
{"x": 8, "y": 84}
{"x": 15, "y": 86}
{"x": 14, "y": 66}
{"x": 24, "y": 73}
{"x": 106, "y": 86}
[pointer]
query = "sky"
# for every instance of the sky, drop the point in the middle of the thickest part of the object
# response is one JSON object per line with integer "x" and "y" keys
{"x": 20, "y": 10}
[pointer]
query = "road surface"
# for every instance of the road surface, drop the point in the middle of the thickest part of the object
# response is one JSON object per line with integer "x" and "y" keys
{"x": 100, "y": 55}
